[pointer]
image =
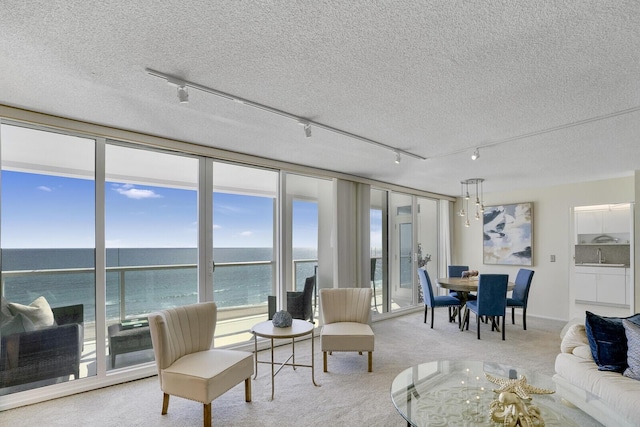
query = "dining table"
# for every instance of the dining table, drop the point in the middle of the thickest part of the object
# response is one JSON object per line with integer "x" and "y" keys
{"x": 463, "y": 286}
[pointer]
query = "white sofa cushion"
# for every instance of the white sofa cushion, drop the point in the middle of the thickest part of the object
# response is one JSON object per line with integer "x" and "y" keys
{"x": 619, "y": 392}
{"x": 575, "y": 337}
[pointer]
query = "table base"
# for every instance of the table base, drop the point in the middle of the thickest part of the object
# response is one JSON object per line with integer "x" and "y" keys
{"x": 292, "y": 358}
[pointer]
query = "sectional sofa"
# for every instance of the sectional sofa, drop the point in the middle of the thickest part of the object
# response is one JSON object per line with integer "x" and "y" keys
{"x": 608, "y": 396}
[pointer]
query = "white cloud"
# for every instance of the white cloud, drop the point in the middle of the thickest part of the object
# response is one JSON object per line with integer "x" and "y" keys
{"x": 131, "y": 192}
{"x": 229, "y": 209}
{"x": 246, "y": 233}
{"x": 44, "y": 188}
{"x": 216, "y": 226}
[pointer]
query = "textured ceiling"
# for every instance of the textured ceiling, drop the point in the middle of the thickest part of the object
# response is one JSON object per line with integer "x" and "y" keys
{"x": 550, "y": 88}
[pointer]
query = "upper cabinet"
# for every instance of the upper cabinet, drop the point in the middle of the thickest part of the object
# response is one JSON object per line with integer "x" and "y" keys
{"x": 614, "y": 222}
{"x": 588, "y": 222}
{"x": 600, "y": 222}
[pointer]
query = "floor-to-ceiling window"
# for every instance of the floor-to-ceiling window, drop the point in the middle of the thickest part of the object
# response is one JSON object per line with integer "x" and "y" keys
{"x": 403, "y": 237}
{"x": 401, "y": 244}
{"x": 308, "y": 219}
{"x": 151, "y": 244}
{"x": 304, "y": 241}
{"x": 47, "y": 235}
{"x": 378, "y": 249}
{"x": 427, "y": 239}
{"x": 244, "y": 247}
{"x": 112, "y": 231}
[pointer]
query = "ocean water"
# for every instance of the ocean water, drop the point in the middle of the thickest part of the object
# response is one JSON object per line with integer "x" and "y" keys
{"x": 147, "y": 290}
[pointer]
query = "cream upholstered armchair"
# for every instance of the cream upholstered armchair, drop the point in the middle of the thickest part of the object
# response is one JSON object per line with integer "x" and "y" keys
{"x": 346, "y": 313}
{"x": 187, "y": 365}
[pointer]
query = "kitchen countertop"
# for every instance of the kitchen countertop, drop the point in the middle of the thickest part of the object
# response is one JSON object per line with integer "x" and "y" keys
{"x": 603, "y": 264}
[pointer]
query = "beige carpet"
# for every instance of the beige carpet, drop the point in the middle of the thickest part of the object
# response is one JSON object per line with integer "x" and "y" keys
{"x": 347, "y": 395}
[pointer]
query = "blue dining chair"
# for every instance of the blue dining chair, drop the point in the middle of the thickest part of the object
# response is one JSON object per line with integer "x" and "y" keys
{"x": 520, "y": 295}
{"x": 433, "y": 301}
{"x": 491, "y": 302}
{"x": 455, "y": 271}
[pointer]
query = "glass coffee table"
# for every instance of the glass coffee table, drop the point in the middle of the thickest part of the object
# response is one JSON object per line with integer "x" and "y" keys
{"x": 456, "y": 392}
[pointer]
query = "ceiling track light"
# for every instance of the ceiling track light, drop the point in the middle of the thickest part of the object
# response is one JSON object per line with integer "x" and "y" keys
{"x": 183, "y": 95}
{"x": 476, "y": 154}
{"x": 179, "y": 82}
{"x": 306, "y": 126}
{"x": 397, "y": 161}
{"x": 181, "y": 86}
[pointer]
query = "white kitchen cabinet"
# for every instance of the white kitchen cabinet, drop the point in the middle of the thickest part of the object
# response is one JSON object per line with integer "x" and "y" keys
{"x": 603, "y": 221}
{"x": 589, "y": 222}
{"x": 602, "y": 285}
{"x": 616, "y": 221}
{"x": 610, "y": 288}
{"x": 586, "y": 287}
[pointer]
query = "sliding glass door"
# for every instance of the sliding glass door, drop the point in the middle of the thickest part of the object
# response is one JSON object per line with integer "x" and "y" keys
{"x": 427, "y": 220}
{"x": 307, "y": 228}
{"x": 47, "y": 237}
{"x": 244, "y": 250}
{"x": 401, "y": 251}
{"x": 378, "y": 220}
{"x": 151, "y": 238}
{"x": 403, "y": 237}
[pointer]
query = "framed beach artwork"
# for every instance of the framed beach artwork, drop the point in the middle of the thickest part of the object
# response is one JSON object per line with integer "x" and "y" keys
{"x": 507, "y": 234}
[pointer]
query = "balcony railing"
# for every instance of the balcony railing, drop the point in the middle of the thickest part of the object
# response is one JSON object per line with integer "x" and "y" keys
{"x": 122, "y": 272}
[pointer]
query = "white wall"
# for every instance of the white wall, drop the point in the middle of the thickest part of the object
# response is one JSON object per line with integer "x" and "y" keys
{"x": 552, "y": 235}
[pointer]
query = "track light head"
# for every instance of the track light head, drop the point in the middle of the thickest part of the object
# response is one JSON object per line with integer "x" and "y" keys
{"x": 183, "y": 95}
{"x": 306, "y": 126}
{"x": 397, "y": 158}
{"x": 475, "y": 155}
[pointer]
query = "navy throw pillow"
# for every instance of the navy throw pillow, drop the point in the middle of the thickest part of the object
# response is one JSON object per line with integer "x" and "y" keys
{"x": 607, "y": 341}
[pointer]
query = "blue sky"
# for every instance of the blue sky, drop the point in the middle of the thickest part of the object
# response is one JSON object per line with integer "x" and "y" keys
{"x": 45, "y": 211}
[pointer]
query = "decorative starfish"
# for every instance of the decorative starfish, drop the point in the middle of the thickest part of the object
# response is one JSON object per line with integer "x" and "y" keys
{"x": 517, "y": 386}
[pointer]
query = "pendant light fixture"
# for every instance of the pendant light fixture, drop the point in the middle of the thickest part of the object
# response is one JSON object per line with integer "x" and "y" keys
{"x": 465, "y": 196}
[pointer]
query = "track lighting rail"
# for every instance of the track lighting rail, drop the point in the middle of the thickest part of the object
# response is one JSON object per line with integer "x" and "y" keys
{"x": 184, "y": 83}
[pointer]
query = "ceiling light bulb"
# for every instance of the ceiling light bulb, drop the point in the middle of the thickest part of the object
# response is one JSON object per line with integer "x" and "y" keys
{"x": 466, "y": 224}
{"x": 397, "y": 158}
{"x": 475, "y": 155}
{"x": 183, "y": 95}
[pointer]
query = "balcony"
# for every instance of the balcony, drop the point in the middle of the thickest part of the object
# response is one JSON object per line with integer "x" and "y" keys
{"x": 136, "y": 291}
